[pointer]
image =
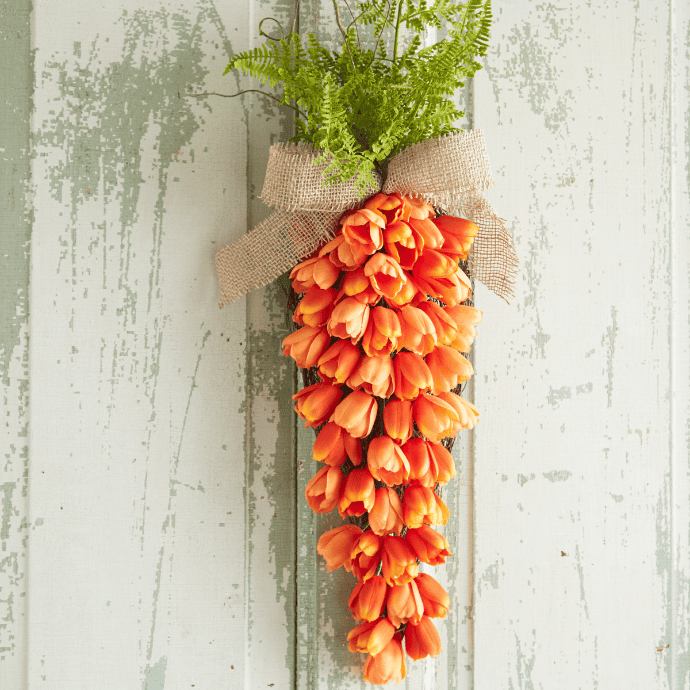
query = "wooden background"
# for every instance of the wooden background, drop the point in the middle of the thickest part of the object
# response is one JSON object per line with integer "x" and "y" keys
{"x": 154, "y": 533}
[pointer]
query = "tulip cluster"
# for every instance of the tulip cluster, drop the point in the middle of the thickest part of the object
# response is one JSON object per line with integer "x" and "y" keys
{"x": 383, "y": 325}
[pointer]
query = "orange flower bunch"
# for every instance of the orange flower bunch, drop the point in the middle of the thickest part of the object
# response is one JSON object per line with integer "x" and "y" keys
{"x": 384, "y": 326}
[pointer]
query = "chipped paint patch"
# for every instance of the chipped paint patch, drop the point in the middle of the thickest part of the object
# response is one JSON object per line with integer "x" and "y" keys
{"x": 154, "y": 676}
{"x": 558, "y": 475}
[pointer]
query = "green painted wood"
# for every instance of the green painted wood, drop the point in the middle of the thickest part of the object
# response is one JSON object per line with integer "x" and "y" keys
{"x": 16, "y": 80}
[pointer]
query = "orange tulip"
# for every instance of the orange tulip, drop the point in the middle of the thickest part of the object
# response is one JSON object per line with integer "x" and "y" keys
{"x": 435, "y": 599}
{"x": 366, "y": 600}
{"x": 385, "y": 274}
{"x": 336, "y": 546}
{"x": 362, "y": 230}
{"x": 409, "y": 294}
{"x": 342, "y": 254}
{"x": 387, "y": 665}
{"x": 399, "y": 564}
{"x": 417, "y": 208}
{"x": 448, "y": 368}
{"x": 428, "y": 545}
{"x": 358, "y": 495}
{"x": 422, "y": 505}
{"x": 387, "y": 462}
{"x": 388, "y": 206}
{"x": 315, "y": 271}
{"x": 418, "y": 332}
{"x": 431, "y": 235}
{"x": 306, "y": 345}
{"x": 403, "y": 604}
{"x": 397, "y": 419}
{"x": 440, "y": 277}
{"x": 433, "y": 264}
{"x": 357, "y": 284}
{"x": 465, "y": 319}
{"x": 468, "y": 416}
{"x": 366, "y": 555}
{"x": 417, "y": 453}
{"x": 442, "y": 465}
{"x": 422, "y": 640}
{"x": 349, "y": 319}
{"x": 338, "y": 362}
{"x": 315, "y": 307}
{"x": 444, "y": 326}
{"x": 383, "y": 331}
{"x": 334, "y": 444}
{"x": 356, "y": 414}
{"x": 374, "y": 375}
{"x": 387, "y": 514}
{"x": 324, "y": 488}
{"x": 458, "y": 236}
{"x": 412, "y": 375}
{"x": 435, "y": 417}
{"x": 371, "y": 636}
{"x": 403, "y": 243}
{"x": 316, "y": 403}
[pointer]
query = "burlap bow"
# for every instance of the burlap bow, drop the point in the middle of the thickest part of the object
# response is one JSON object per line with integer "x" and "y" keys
{"x": 448, "y": 172}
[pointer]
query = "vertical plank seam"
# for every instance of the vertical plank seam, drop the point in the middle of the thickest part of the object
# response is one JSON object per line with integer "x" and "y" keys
{"x": 471, "y": 469}
{"x": 673, "y": 571}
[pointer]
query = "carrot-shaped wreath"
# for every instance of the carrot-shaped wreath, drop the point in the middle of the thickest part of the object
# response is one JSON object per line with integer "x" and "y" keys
{"x": 384, "y": 326}
{"x": 368, "y": 197}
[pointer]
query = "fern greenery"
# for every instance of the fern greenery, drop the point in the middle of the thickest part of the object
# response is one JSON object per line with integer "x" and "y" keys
{"x": 367, "y": 100}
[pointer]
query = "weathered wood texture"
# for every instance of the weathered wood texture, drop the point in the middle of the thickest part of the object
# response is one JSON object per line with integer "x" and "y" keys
{"x": 15, "y": 231}
{"x": 581, "y": 458}
{"x": 160, "y": 485}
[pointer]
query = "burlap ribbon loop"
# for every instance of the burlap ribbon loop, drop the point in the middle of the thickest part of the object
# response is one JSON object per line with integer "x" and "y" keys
{"x": 449, "y": 172}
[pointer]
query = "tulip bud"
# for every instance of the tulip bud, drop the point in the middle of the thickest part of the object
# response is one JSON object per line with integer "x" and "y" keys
{"x": 399, "y": 564}
{"x": 387, "y": 462}
{"x": 362, "y": 229}
{"x": 316, "y": 403}
{"x": 434, "y": 598}
{"x": 356, "y": 414}
{"x": 371, "y": 636}
{"x": 374, "y": 375}
{"x": 336, "y": 546}
{"x": 412, "y": 375}
{"x": 382, "y": 332}
{"x": 366, "y": 600}
{"x": 422, "y": 640}
{"x": 334, "y": 444}
{"x": 306, "y": 345}
{"x": 403, "y": 604}
{"x": 365, "y": 555}
{"x": 338, "y": 362}
{"x": 428, "y": 545}
{"x": 358, "y": 495}
{"x": 397, "y": 420}
{"x": 324, "y": 488}
{"x": 387, "y": 514}
{"x": 422, "y": 505}
{"x": 315, "y": 307}
{"x": 387, "y": 665}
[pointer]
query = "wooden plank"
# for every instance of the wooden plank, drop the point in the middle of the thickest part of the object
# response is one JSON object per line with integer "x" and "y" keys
{"x": 15, "y": 234}
{"x": 138, "y": 477}
{"x": 323, "y": 619}
{"x": 270, "y": 568}
{"x": 574, "y": 471}
{"x": 680, "y": 344}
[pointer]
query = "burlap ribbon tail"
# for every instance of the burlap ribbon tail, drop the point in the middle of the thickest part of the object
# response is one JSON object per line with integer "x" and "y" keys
{"x": 449, "y": 172}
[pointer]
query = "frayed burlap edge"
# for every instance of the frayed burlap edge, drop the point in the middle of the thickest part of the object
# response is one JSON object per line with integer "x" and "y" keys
{"x": 270, "y": 249}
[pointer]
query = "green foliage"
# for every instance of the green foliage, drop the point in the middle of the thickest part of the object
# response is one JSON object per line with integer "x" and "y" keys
{"x": 360, "y": 106}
